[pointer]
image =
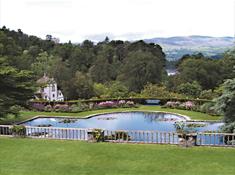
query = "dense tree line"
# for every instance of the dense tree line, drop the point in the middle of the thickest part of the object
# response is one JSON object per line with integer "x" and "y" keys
{"x": 110, "y": 69}
{"x": 77, "y": 67}
{"x": 201, "y": 73}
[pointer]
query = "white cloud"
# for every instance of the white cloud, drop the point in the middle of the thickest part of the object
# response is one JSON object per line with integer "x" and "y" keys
{"x": 77, "y": 20}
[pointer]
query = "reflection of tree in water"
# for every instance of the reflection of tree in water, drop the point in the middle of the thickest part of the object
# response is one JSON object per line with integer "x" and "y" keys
{"x": 156, "y": 117}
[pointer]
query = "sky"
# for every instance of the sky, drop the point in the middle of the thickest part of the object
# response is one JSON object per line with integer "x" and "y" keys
{"x": 77, "y": 20}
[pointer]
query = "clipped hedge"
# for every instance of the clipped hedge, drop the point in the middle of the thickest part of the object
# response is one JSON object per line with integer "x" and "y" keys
{"x": 135, "y": 100}
{"x": 80, "y": 106}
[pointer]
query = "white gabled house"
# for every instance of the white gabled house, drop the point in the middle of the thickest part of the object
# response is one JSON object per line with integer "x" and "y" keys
{"x": 48, "y": 90}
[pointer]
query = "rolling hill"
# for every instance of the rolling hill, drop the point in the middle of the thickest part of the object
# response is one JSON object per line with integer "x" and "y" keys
{"x": 176, "y": 47}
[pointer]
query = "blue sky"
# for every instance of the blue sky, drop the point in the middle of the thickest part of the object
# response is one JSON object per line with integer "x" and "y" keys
{"x": 77, "y": 20}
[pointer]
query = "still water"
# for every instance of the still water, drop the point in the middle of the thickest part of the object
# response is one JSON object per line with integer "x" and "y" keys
{"x": 125, "y": 121}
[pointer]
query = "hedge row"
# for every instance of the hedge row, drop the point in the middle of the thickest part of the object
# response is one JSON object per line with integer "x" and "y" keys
{"x": 136, "y": 100}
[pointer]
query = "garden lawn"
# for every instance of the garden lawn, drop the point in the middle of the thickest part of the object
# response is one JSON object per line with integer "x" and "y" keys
{"x": 57, "y": 157}
{"x": 29, "y": 114}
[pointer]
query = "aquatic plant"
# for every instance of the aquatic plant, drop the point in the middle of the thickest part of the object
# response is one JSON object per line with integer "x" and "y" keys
{"x": 68, "y": 120}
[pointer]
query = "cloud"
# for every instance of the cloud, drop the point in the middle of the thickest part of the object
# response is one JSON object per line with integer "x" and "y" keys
{"x": 77, "y": 20}
{"x": 98, "y": 37}
{"x": 48, "y": 3}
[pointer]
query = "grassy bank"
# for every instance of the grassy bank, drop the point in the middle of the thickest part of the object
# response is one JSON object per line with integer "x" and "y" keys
{"x": 57, "y": 157}
{"x": 193, "y": 115}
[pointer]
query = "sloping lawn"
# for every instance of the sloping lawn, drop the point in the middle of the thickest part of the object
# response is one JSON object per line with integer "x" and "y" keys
{"x": 56, "y": 157}
{"x": 29, "y": 114}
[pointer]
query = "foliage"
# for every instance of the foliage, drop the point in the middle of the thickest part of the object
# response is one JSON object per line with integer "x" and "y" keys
{"x": 61, "y": 108}
{"x": 100, "y": 90}
{"x": 15, "y": 110}
{"x": 225, "y": 104}
{"x": 116, "y": 104}
{"x": 228, "y": 128}
{"x": 83, "y": 85}
{"x": 141, "y": 68}
{"x": 48, "y": 108}
{"x": 207, "y": 72}
{"x": 79, "y": 107}
{"x": 114, "y": 89}
{"x": 38, "y": 106}
{"x": 208, "y": 94}
{"x": 180, "y": 126}
{"x": 172, "y": 104}
{"x": 82, "y": 106}
{"x": 190, "y": 89}
{"x": 19, "y": 130}
{"x": 188, "y": 105}
{"x": 98, "y": 135}
{"x": 43, "y": 64}
{"x": 208, "y": 108}
{"x": 110, "y": 69}
{"x": 106, "y": 104}
{"x": 117, "y": 90}
{"x": 16, "y": 87}
{"x": 185, "y": 134}
{"x": 72, "y": 64}
{"x": 159, "y": 91}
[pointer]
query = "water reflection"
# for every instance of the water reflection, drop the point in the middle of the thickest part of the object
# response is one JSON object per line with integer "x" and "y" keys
{"x": 124, "y": 121}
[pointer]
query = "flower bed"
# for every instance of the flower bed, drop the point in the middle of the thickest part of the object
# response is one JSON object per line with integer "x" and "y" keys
{"x": 188, "y": 105}
{"x": 207, "y": 108}
{"x": 80, "y": 107}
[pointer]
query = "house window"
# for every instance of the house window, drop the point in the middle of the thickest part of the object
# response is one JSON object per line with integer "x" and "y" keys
{"x": 53, "y": 95}
{"x": 53, "y": 88}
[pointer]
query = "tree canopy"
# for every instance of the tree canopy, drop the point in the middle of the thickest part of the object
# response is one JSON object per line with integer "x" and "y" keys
{"x": 16, "y": 87}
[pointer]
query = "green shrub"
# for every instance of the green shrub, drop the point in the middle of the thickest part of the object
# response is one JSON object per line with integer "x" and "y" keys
{"x": 79, "y": 107}
{"x": 228, "y": 128}
{"x": 19, "y": 130}
{"x": 76, "y": 108}
{"x": 208, "y": 94}
{"x": 15, "y": 110}
{"x": 98, "y": 135}
{"x": 208, "y": 108}
{"x": 48, "y": 108}
{"x": 62, "y": 108}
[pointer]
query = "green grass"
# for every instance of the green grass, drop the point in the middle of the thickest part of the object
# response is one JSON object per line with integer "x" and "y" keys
{"x": 57, "y": 157}
{"x": 193, "y": 115}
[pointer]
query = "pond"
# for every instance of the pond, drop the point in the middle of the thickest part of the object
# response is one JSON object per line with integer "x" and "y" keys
{"x": 156, "y": 121}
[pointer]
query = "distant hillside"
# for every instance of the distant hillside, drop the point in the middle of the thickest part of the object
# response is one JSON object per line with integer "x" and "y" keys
{"x": 176, "y": 47}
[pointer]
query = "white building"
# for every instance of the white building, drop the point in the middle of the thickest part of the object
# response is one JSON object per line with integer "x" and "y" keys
{"x": 49, "y": 90}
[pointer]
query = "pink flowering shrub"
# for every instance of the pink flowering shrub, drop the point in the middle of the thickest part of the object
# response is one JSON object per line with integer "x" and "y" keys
{"x": 130, "y": 103}
{"x": 121, "y": 103}
{"x": 38, "y": 106}
{"x": 114, "y": 104}
{"x": 107, "y": 104}
{"x": 189, "y": 105}
{"x": 172, "y": 104}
